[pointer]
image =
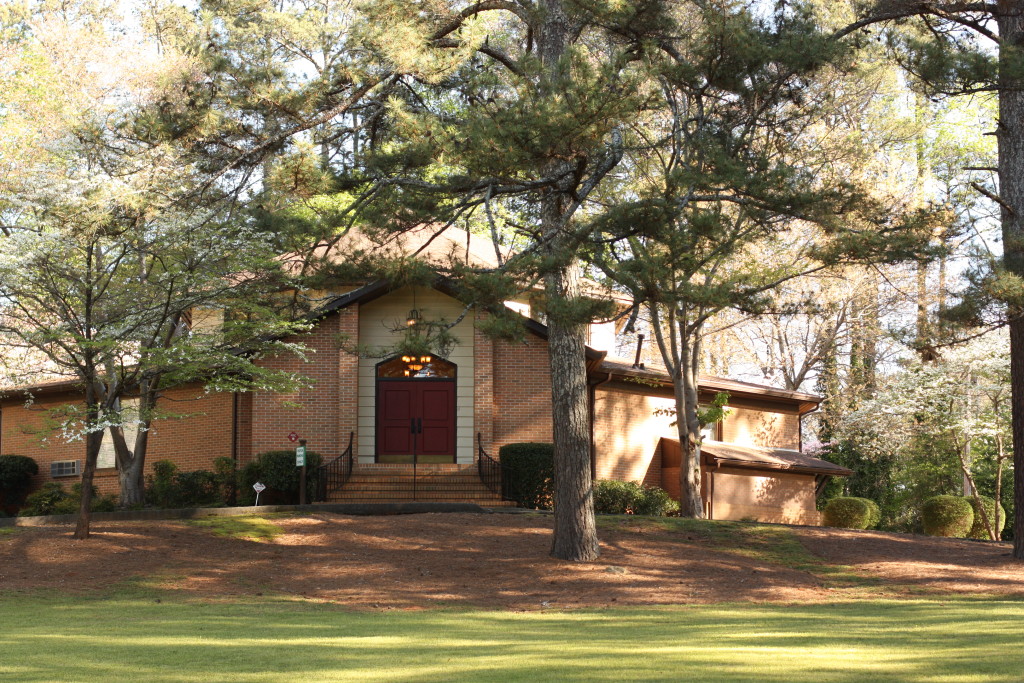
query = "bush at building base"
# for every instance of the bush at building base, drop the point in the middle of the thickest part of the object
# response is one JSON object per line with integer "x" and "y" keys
{"x": 978, "y": 529}
{"x": 631, "y": 498}
{"x": 849, "y": 512}
{"x": 277, "y": 471}
{"x": 950, "y": 516}
{"x": 16, "y": 472}
{"x": 528, "y": 474}
{"x": 52, "y": 499}
{"x": 168, "y": 488}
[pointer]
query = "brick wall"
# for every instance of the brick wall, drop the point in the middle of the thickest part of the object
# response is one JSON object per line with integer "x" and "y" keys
{"x": 522, "y": 392}
{"x": 782, "y": 498}
{"x": 761, "y": 427}
{"x": 627, "y": 433}
{"x": 324, "y": 412}
{"x": 193, "y": 441}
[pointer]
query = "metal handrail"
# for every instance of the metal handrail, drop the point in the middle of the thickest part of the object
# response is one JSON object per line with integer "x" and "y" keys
{"x": 336, "y": 473}
{"x": 489, "y": 469}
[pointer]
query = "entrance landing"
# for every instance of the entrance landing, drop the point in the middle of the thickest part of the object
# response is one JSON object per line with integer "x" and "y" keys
{"x": 426, "y": 483}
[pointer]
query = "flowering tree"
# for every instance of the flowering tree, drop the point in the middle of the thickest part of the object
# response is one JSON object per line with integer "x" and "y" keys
{"x": 104, "y": 270}
{"x": 962, "y": 398}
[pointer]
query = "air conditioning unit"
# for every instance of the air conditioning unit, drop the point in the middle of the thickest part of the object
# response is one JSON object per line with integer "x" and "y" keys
{"x": 64, "y": 468}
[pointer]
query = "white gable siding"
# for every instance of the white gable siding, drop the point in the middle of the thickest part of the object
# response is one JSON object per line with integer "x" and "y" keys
{"x": 377, "y": 320}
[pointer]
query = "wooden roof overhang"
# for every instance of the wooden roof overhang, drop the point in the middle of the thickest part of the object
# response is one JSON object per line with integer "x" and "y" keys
{"x": 718, "y": 454}
{"x": 755, "y": 395}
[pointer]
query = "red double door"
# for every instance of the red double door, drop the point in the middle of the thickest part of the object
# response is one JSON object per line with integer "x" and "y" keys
{"x": 416, "y": 419}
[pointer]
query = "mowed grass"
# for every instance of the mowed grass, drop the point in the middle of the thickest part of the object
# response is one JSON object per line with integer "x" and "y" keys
{"x": 249, "y": 527}
{"x": 142, "y": 635}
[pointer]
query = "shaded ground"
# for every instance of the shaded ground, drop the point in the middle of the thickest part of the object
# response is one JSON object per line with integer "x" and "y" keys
{"x": 501, "y": 561}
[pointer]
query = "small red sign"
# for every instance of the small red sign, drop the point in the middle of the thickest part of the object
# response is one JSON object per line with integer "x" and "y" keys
{"x": 293, "y": 437}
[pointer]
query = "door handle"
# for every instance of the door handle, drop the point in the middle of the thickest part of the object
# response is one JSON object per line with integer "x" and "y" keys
{"x": 419, "y": 425}
{"x": 412, "y": 425}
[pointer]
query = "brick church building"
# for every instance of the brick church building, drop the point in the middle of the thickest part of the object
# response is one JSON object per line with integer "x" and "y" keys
{"x": 446, "y": 413}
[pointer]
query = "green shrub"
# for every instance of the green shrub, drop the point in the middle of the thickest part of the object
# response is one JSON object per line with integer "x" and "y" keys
{"x": 160, "y": 486}
{"x": 947, "y": 516}
{"x": 528, "y": 474}
{"x": 168, "y": 488}
{"x": 16, "y": 472}
{"x": 874, "y": 513}
{"x": 847, "y": 512}
{"x": 978, "y": 528}
{"x": 631, "y": 498}
{"x": 52, "y": 499}
{"x": 227, "y": 478}
{"x": 277, "y": 471}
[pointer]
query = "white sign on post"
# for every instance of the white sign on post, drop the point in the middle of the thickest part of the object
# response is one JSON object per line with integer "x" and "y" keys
{"x": 300, "y": 456}
{"x": 258, "y": 487}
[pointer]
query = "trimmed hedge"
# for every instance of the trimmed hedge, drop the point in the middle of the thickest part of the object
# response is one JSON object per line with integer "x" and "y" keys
{"x": 16, "y": 472}
{"x": 632, "y": 498}
{"x": 978, "y": 528}
{"x": 277, "y": 471}
{"x": 850, "y": 512}
{"x": 951, "y": 516}
{"x": 528, "y": 474}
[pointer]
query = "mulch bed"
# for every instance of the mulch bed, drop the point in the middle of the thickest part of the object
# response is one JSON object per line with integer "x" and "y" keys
{"x": 486, "y": 560}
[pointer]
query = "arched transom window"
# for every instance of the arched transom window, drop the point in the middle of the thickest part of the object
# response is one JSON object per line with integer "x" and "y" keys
{"x": 409, "y": 366}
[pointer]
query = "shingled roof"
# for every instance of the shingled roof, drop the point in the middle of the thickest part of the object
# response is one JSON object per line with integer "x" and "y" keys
{"x": 716, "y": 453}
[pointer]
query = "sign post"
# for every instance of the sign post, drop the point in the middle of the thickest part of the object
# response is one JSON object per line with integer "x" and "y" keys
{"x": 300, "y": 461}
{"x": 258, "y": 487}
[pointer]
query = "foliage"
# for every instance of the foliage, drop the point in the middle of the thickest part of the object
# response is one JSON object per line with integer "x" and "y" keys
{"x": 225, "y": 468}
{"x": 947, "y": 516}
{"x": 277, "y": 471}
{"x": 528, "y": 471}
{"x": 168, "y": 488}
{"x": 16, "y": 472}
{"x": 978, "y": 530}
{"x": 116, "y": 248}
{"x": 632, "y": 498}
{"x": 851, "y": 513}
{"x": 52, "y": 499}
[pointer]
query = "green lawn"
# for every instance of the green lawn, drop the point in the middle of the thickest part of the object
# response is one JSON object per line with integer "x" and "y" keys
{"x": 139, "y": 635}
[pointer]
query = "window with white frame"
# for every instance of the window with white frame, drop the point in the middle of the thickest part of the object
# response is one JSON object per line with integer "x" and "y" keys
{"x": 130, "y": 425}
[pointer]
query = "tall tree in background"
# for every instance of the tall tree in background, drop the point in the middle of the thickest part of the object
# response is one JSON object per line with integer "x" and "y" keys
{"x": 971, "y": 47}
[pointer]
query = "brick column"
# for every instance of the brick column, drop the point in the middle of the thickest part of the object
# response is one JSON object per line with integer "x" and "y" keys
{"x": 483, "y": 389}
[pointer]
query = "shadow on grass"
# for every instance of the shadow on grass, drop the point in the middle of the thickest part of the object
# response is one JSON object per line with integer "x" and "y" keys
{"x": 771, "y": 544}
{"x": 144, "y": 635}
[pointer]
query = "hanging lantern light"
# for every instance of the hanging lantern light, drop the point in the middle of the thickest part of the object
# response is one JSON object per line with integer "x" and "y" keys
{"x": 414, "y": 318}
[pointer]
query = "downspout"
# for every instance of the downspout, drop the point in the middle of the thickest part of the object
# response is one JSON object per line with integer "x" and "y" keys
{"x": 235, "y": 443}
{"x": 234, "y": 428}
{"x": 593, "y": 410}
{"x": 800, "y": 427}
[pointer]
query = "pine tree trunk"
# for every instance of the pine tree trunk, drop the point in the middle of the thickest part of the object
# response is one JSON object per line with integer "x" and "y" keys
{"x": 575, "y": 536}
{"x": 1010, "y": 15}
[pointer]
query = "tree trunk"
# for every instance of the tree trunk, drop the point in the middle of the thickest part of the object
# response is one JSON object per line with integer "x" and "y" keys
{"x": 690, "y": 502}
{"x": 93, "y": 441}
{"x": 1010, "y": 136}
{"x": 575, "y": 536}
